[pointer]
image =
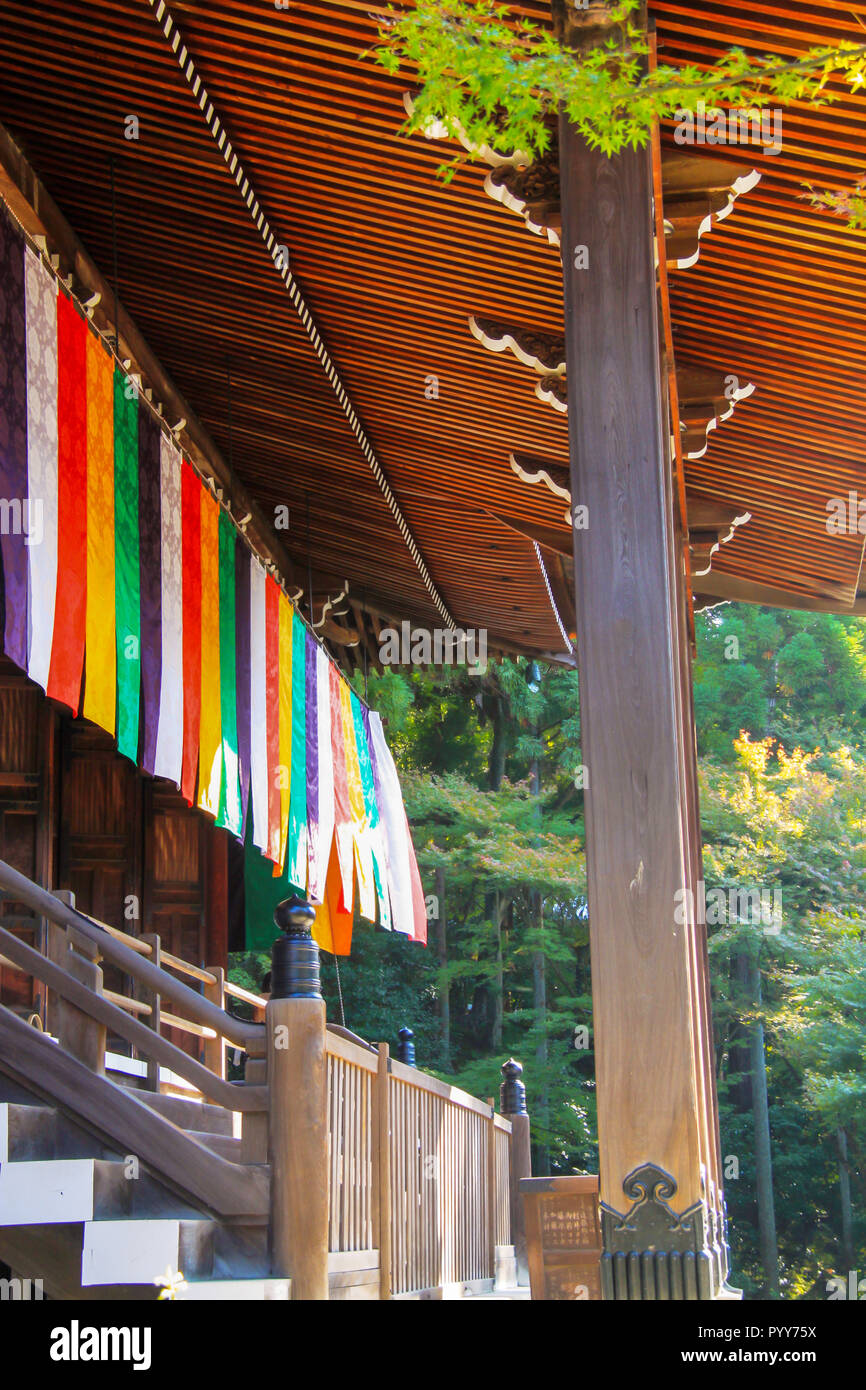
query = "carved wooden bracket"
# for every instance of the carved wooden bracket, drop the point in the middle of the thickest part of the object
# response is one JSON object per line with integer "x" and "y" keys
{"x": 698, "y": 192}
{"x": 711, "y": 521}
{"x": 706, "y": 397}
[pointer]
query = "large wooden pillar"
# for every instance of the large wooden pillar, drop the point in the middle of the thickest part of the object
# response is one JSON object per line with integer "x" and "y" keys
{"x": 656, "y": 1101}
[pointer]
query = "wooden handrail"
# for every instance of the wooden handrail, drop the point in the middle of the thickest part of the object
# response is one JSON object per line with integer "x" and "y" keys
{"x": 142, "y": 947}
{"x": 238, "y": 992}
{"x": 352, "y": 1037}
{"x": 250, "y": 1036}
{"x": 133, "y": 1006}
{"x": 186, "y": 967}
{"x": 185, "y": 1025}
{"x": 233, "y": 1190}
{"x": 233, "y": 1096}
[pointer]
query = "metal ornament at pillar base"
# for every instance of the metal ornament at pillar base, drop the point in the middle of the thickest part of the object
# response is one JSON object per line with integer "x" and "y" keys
{"x": 295, "y": 955}
{"x": 653, "y": 1252}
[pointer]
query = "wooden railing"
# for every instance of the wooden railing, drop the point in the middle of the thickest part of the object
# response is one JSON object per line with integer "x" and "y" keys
{"x": 84, "y": 1012}
{"x": 382, "y": 1176}
{"x": 419, "y": 1173}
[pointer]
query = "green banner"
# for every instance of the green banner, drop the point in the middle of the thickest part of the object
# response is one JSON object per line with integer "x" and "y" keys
{"x": 127, "y": 596}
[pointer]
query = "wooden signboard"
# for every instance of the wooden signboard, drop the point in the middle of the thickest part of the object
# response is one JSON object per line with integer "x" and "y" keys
{"x": 563, "y": 1237}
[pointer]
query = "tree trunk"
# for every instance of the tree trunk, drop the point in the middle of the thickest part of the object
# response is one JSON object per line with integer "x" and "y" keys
{"x": 498, "y": 982}
{"x": 496, "y": 760}
{"x": 493, "y": 907}
{"x": 541, "y": 1166}
{"x": 442, "y": 954}
{"x": 740, "y": 1054}
{"x": 539, "y": 1000}
{"x": 845, "y": 1199}
{"x": 767, "y": 1244}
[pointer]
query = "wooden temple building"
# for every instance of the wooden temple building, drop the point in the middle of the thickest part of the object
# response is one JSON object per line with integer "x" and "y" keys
{"x": 266, "y": 388}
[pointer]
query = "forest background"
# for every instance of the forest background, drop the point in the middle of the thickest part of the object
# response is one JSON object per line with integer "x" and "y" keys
{"x": 493, "y": 783}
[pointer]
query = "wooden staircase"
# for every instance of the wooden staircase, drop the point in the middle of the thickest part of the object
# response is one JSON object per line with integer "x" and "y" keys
{"x": 331, "y": 1171}
{"x": 88, "y": 1219}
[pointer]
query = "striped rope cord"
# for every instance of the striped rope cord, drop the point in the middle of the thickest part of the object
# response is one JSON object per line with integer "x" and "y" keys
{"x": 565, "y": 637}
{"x": 174, "y": 37}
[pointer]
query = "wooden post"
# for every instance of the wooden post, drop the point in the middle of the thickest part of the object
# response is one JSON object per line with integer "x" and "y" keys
{"x": 214, "y": 1048}
{"x": 383, "y": 1151}
{"x": 254, "y": 1123}
{"x": 653, "y": 1119}
{"x": 512, "y": 1104}
{"x": 79, "y": 1034}
{"x": 150, "y": 996}
{"x": 298, "y": 1121}
{"x": 491, "y": 1192}
{"x": 55, "y": 949}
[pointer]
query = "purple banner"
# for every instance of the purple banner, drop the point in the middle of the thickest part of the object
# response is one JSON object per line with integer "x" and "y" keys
{"x": 243, "y": 667}
{"x": 13, "y": 442}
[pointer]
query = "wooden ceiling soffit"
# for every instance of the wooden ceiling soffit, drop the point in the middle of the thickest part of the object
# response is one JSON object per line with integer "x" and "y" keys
{"x": 174, "y": 38}
{"x": 719, "y": 587}
{"x": 697, "y": 193}
{"x": 706, "y": 397}
{"x": 711, "y": 521}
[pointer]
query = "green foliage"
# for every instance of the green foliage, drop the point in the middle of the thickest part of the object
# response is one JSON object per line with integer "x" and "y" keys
{"x": 780, "y": 701}
{"x": 492, "y": 78}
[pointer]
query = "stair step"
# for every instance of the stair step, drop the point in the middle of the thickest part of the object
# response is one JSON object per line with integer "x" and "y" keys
{"x": 236, "y": 1290}
{"x": 191, "y": 1114}
{"x": 241, "y": 1252}
{"x": 139, "y": 1252}
{"x": 39, "y": 1132}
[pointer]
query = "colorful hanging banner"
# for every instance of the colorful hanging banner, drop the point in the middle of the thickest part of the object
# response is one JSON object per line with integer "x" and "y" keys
{"x": 272, "y": 687}
{"x": 258, "y": 706}
{"x": 210, "y": 758}
{"x": 127, "y": 610}
{"x": 168, "y": 755}
{"x": 229, "y": 813}
{"x": 100, "y": 682}
{"x": 42, "y": 463}
{"x": 150, "y": 578}
{"x": 13, "y": 443}
{"x": 70, "y": 616}
{"x": 191, "y": 504}
{"x": 121, "y": 572}
{"x": 297, "y": 842}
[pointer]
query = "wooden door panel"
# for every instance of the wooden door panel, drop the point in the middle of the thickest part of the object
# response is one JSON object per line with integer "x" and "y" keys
{"x": 26, "y": 786}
